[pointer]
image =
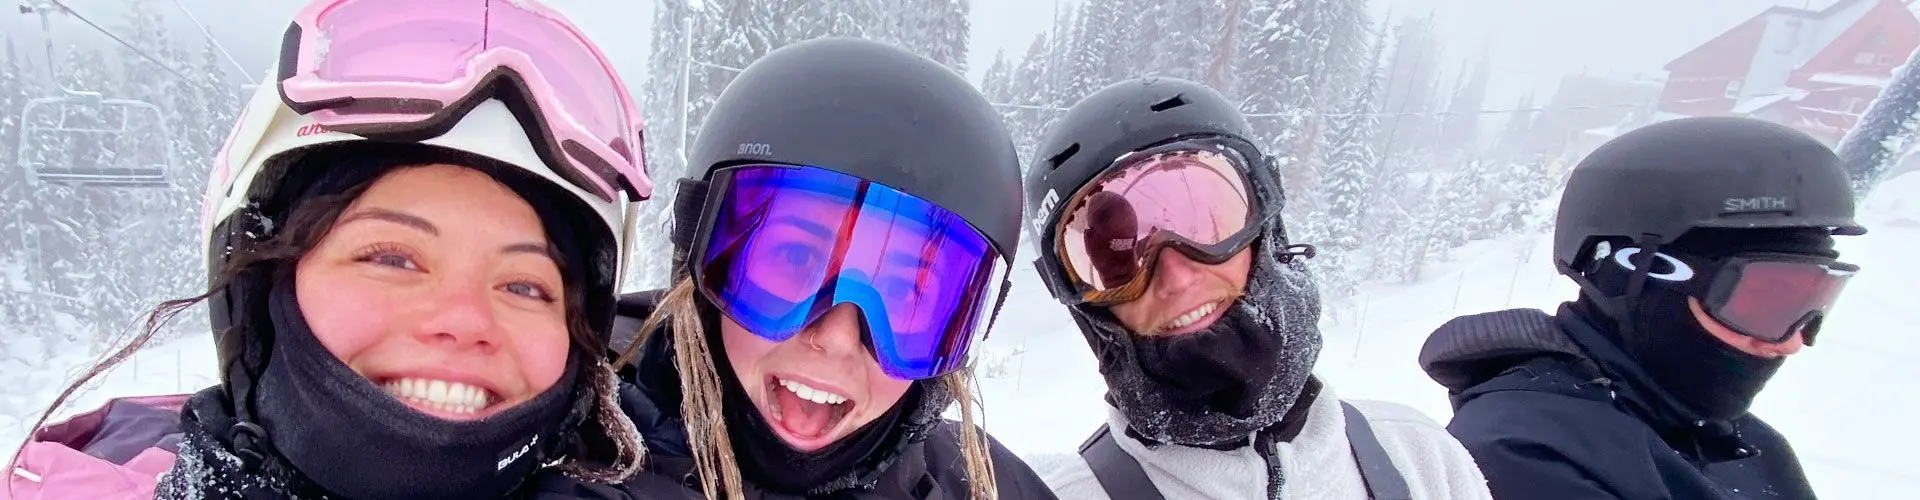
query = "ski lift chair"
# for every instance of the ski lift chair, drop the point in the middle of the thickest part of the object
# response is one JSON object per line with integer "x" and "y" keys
{"x": 120, "y": 126}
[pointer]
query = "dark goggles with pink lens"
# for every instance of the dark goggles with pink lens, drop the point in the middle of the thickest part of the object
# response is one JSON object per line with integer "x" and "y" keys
{"x": 1191, "y": 195}
{"x": 1771, "y": 296}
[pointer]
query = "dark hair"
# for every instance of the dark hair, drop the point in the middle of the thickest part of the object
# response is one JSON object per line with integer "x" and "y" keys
{"x": 311, "y": 200}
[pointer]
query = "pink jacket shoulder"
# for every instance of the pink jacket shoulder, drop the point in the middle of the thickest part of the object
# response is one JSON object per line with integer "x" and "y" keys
{"x": 115, "y": 452}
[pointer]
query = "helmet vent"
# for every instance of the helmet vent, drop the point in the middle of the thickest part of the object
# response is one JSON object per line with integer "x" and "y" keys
{"x": 1172, "y": 102}
{"x": 1054, "y": 162}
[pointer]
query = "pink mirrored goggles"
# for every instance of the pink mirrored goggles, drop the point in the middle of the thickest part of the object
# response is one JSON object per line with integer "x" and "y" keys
{"x": 408, "y": 70}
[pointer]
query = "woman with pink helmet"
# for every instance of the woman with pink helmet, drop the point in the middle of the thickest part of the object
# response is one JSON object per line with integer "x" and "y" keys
{"x": 414, "y": 236}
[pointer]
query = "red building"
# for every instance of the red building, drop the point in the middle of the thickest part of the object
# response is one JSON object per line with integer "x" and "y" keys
{"x": 1812, "y": 70}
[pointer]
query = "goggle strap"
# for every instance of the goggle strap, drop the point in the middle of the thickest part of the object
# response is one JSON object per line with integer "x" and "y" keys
{"x": 1612, "y": 306}
{"x": 1642, "y": 266}
{"x": 1005, "y": 285}
{"x": 1056, "y": 281}
{"x": 688, "y": 205}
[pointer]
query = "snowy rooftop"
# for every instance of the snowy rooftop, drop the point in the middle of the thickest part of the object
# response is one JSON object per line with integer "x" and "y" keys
{"x": 1661, "y": 116}
{"x": 1851, "y": 79}
{"x": 1758, "y": 103}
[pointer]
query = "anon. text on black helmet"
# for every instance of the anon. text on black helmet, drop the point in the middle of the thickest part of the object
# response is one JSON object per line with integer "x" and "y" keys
{"x": 872, "y": 111}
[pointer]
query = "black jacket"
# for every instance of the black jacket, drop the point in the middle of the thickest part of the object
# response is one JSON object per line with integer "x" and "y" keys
{"x": 933, "y": 468}
{"x": 1552, "y": 408}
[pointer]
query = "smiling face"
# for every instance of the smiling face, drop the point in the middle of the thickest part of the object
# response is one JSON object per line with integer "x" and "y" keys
{"x": 438, "y": 286}
{"x": 1185, "y": 296}
{"x": 817, "y": 387}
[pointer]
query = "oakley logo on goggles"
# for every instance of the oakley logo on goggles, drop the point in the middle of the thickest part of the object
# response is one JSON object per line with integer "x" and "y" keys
{"x": 404, "y": 70}
{"x": 786, "y": 244}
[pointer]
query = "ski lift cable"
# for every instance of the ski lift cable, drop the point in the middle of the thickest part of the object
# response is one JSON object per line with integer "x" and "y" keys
{"x": 209, "y": 34}
{"x": 1409, "y": 113}
{"x": 123, "y": 42}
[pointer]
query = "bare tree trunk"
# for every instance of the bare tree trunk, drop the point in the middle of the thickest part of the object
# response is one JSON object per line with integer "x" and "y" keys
{"x": 1224, "y": 50}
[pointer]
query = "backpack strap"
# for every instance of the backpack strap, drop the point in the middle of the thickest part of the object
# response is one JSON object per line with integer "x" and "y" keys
{"x": 1118, "y": 472}
{"x": 1383, "y": 480}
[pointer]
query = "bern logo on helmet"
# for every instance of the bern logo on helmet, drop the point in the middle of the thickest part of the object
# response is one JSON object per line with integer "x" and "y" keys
{"x": 1121, "y": 245}
{"x": 748, "y": 148}
{"x": 1045, "y": 212}
{"x": 1756, "y": 204}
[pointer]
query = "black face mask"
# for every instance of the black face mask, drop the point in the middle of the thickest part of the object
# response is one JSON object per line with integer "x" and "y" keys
{"x": 1713, "y": 380}
{"x": 768, "y": 462}
{"x": 349, "y": 437}
{"x": 1238, "y": 376}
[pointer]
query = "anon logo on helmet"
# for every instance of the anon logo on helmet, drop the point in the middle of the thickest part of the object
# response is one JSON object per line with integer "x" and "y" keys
{"x": 1756, "y": 204}
{"x": 311, "y": 129}
{"x": 748, "y": 148}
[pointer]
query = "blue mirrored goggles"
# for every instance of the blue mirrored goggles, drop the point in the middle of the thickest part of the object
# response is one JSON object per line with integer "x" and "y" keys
{"x": 788, "y": 243}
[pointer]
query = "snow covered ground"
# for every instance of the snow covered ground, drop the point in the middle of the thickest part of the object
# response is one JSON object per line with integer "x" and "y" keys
{"x": 1845, "y": 403}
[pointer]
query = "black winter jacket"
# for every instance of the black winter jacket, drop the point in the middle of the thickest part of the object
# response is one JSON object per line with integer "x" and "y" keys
{"x": 1552, "y": 408}
{"x": 930, "y": 469}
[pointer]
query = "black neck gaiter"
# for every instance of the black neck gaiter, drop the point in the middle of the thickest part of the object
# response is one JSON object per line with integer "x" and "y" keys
{"x": 1710, "y": 379}
{"x": 349, "y": 437}
{"x": 1220, "y": 385}
{"x": 768, "y": 462}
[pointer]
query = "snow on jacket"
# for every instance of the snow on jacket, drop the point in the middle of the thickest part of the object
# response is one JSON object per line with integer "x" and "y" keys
{"x": 1316, "y": 464}
{"x": 125, "y": 449}
{"x": 116, "y": 452}
{"x": 1553, "y": 409}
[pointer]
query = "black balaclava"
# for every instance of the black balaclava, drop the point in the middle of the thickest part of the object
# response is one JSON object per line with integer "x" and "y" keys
{"x": 335, "y": 427}
{"x": 852, "y": 462}
{"x": 1240, "y": 375}
{"x": 353, "y": 439}
{"x": 1710, "y": 378}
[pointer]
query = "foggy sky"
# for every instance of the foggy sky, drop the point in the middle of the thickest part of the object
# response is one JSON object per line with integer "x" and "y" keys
{"x": 1531, "y": 42}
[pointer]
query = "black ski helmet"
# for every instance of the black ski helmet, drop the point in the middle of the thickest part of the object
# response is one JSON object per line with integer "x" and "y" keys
{"x": 872, "y": 111}
{"x": 1122, "y": 118}
{"x": 1654, "y": 183}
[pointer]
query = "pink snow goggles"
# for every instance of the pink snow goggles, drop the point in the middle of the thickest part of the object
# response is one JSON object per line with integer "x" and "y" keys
{"x": 1191, "y": 195}
{"x": 408, "y": 70}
